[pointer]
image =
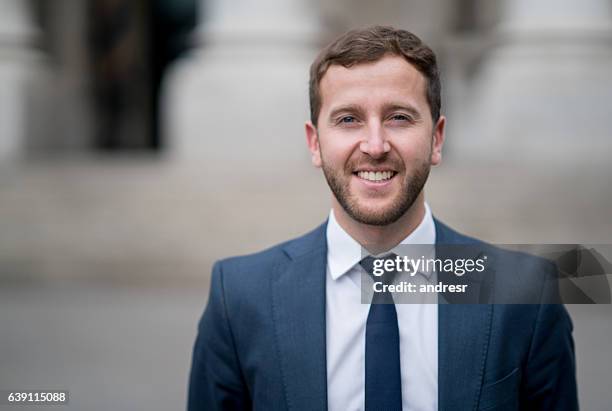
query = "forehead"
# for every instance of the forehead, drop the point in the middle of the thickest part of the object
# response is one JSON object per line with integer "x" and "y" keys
{"x": 390, "y": 78}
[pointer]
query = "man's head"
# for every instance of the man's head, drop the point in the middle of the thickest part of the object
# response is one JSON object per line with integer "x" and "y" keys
{"x": 376, "y": 127}
{"x": 370, "y": 45}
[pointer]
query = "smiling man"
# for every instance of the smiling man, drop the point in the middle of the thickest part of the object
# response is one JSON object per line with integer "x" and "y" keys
{"x": 286, "y": 329}
{"x": 375, "y": 136}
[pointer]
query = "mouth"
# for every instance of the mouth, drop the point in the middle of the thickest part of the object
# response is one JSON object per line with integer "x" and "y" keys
{"x": 375, "y": 176}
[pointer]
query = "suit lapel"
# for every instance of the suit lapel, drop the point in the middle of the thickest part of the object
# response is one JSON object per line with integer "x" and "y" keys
{"x": 463, "y": 338}
{"x": 298, "y": 303}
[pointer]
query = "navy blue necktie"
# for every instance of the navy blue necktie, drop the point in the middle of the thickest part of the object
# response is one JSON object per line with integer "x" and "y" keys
{"x": 383, "y": 379}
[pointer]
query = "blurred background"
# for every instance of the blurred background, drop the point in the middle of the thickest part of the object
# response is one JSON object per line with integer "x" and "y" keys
{"x": 141, "y": 140}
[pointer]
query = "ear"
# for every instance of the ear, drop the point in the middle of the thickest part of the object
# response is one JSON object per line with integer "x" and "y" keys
{"x": 438, "y": 141}
{"x": 312, "y": 139}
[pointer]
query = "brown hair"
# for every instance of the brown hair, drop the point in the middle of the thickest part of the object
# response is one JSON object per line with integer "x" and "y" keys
{"x": 369, "y": 45}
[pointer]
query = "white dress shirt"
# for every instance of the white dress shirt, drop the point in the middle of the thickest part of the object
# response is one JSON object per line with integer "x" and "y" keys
{"x": 346, "y": 320}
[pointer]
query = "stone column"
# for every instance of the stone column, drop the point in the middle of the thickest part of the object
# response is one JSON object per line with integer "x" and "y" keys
{"x": 541, "y": 96}
{"x": 527, "y": 17}
{"x": 16, "y": 40}
{"x": 430, "y": 20}
{"x": 237, "y": 105}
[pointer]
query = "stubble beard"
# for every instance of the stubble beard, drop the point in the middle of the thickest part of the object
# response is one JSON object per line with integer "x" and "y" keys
{"x": 412, "y": 186}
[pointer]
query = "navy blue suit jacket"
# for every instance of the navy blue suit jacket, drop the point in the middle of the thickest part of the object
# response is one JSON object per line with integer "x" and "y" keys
{"x": 261, "y": 340}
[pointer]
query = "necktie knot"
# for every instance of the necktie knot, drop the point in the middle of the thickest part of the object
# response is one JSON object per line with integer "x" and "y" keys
{"x": 377, "y": 268}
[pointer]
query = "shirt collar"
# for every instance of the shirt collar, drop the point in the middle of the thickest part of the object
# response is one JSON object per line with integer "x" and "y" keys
{"x": 343, "y": 252}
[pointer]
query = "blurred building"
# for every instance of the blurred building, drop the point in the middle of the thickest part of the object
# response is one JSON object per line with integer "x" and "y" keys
{"x": 220, "y": 86}
{"x": 95, "y": 84}
{"x": 100, "y": 68}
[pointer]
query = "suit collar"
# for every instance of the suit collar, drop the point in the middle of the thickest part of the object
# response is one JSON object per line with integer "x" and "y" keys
{"x": 307, "y": 243}
{"x": 455, "y": 246}
{"x": 446, "y": 235}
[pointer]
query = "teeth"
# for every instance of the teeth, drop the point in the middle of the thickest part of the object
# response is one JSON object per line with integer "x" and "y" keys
{"x": 375, "y": 175}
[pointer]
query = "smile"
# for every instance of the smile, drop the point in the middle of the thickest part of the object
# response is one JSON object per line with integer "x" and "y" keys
{"x": 375, "y": 176}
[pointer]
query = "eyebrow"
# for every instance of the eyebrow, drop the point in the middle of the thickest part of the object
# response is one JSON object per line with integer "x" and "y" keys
{"x": 348, "y": 108}
{"x": 416, "y": 114}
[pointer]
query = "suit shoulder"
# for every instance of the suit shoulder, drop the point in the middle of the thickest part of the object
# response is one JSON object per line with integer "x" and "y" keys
{"x": 447, "y": 236}
{"x": 276, "y": 254}
{"x": 512, "y": 274}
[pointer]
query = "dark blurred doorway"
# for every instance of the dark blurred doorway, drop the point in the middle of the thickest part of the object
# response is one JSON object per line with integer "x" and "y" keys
{"x": 171, "y": 34}
{"x": 131, "y": 45}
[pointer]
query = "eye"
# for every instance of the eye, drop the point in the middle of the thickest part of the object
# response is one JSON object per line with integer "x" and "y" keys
{"x": 400, "y": 117}
{"x": 348, "y": 120}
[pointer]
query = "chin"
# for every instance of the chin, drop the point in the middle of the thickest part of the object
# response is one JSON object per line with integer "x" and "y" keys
{"x": 377, "y": 215}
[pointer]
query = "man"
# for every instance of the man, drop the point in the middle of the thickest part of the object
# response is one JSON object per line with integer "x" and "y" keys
{"x": 285, "y": 329}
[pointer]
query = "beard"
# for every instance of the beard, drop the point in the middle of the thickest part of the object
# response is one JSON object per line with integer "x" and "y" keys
{"x": 411, "y": 186}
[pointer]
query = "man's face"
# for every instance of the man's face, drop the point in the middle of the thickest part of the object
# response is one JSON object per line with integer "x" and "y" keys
{"x": 375, "y": 138}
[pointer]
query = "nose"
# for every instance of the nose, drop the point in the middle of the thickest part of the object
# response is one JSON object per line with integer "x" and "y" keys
{"x": 375, "y": 144}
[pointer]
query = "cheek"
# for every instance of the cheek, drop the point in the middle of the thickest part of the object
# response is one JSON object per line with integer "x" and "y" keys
{"x": 335, "y": 153}
{"x": 415, "y": 148}
{"x": 412, "y": 155}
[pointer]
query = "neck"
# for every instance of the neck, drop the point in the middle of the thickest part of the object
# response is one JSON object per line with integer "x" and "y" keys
{"x": 378, "y": 239}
